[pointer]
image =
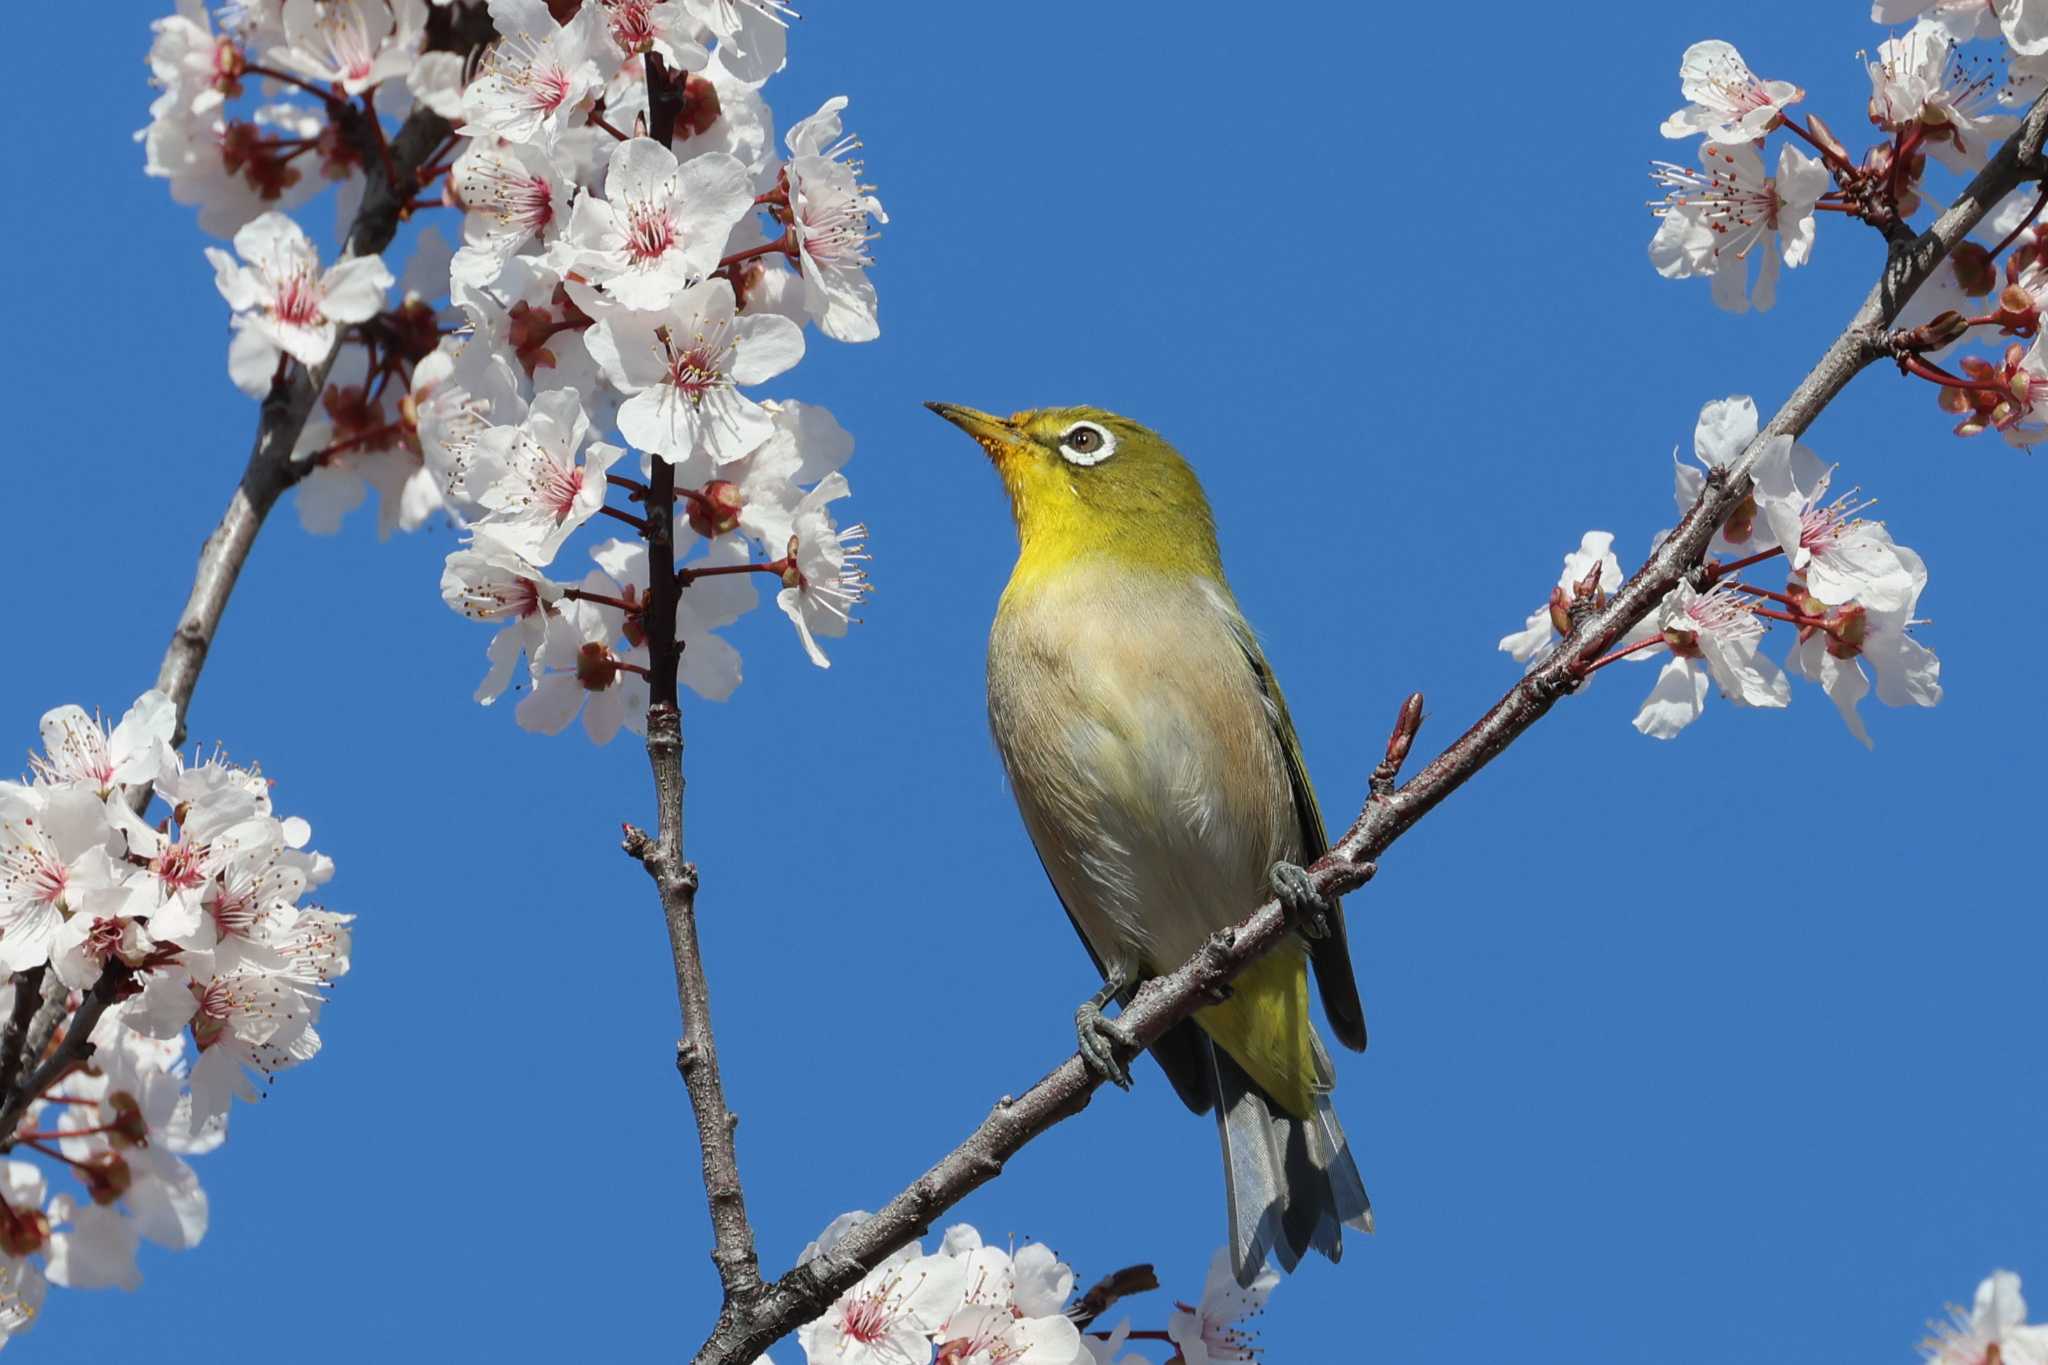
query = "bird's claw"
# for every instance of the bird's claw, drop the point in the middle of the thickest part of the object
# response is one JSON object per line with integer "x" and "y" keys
{"x": 1307, "y": 907}
{"x": 1099, "y": 1038}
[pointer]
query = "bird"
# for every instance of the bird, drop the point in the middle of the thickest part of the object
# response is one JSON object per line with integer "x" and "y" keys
{"x": 1160, "y": 778}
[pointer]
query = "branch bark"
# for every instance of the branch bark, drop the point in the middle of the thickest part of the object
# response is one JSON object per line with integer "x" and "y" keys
{"x": 745, "y": 1329}
{"x": 739, "y": 1269}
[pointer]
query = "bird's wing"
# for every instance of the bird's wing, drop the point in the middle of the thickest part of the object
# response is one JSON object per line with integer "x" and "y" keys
{"x": 1331, "y": 956}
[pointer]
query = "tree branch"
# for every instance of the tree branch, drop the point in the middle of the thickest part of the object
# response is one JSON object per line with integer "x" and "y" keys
{"x": 74, "y": 1050}
{"x": 271, "y": 469}
{"x": 739, "y": 1270}
{"x": 269, "y": 472}
{"x": 746, "y": 1329}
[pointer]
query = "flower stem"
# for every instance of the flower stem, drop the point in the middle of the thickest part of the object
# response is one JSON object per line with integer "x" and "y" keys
{"x": 2024, "y": 224}
{"x": 1653, "y": 642}
{"x": 1721, "y": 571}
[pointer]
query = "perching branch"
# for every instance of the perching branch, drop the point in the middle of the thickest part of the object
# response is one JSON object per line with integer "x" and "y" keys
{"x": 271, "y": 469}
{"x": 748, "y": 1326}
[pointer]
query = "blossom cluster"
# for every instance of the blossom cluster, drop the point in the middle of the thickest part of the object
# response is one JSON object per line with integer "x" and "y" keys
{"x": 1738, "y": 217}
{"x": 615, "y": 300}
{"x": 1952, "y": 84}
{"x": 1850, "y": 592}
{"x": 970, "y": 1303}
{"x": 175, "y": 942}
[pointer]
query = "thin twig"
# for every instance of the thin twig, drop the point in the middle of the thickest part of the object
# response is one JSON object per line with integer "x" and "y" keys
{"x": 746, "y": 1329}
{"x": 739, "y": 1270}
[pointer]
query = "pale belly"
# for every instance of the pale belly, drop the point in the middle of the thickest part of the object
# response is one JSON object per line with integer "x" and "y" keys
{"x": 1143, "y": 760}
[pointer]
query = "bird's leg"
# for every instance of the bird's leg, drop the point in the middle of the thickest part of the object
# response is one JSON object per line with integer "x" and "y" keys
{"x": 1099, "y": 1037}
{"x": 1307, "y": 907}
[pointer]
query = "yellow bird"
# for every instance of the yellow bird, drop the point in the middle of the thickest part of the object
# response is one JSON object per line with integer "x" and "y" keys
{"x": 1156, "y": 768}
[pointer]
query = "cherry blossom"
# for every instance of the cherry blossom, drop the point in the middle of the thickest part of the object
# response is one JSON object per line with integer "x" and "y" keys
{"x": 830, "y": 211}
{"x": 827, "y": 579}
{"x": 1713, "y": 635}
{"x": 1209, "y": 1332}
{"x": 1714, "y": 220}
{"x": 1908, "y": 673}
{"x": 684, "y": 369}
{"x": 1528, "y": 644}
{"x": 1922, "y": 78}
{"x": 890, "y": 1316}
{"x": 355, "y": 44}
{"x": 514, "y": 194}
{"x": 487, "y": 580}
{"x": 197, "y": 904}
{"x": 661, "y": 226}
{"x": 1729, "y": 104}
{"x": 537, "y": 492}
{"x": 1841, "y": 557}
{"x": 539, "y": 73}
{"x": 284, "y": 304}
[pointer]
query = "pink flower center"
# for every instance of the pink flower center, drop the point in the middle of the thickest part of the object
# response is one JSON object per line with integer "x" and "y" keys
{"x": 557, "y": 490}
{"x": 348, "y": 40}
{"x": 103, "y": 940}
{"x": 181, "y": 867}
{"x": 649, "y": 232}
{"x": 699, "y": 369}
{"x": 298, "y": 299}
{"x": 867, "y": 1320}
{"x": 632, "y": 24}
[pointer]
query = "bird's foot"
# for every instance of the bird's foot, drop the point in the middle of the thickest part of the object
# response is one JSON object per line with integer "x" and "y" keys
{"x": 1099, "y": 1037}
{"x": 1296, "y": 891}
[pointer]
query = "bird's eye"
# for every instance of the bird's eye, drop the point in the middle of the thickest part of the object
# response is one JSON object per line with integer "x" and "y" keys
{"x": 1085, "y": 443}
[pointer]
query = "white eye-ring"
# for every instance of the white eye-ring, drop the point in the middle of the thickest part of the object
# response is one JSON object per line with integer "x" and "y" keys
{"x": 1085, "y": 443}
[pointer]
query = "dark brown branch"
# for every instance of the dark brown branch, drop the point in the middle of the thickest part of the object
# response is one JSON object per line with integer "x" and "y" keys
{"x": 74, "y": 1050}
{"x": 28, "y": 995}
{"x": 739, "y": 1270}
{"x": 746, "y": 1329}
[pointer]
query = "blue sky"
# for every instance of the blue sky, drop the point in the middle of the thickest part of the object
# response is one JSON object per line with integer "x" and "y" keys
{"x": 1723, "y": 1049}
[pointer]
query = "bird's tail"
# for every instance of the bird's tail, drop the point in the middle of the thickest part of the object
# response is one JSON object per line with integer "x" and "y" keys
{"x": 1291, "y": 1183}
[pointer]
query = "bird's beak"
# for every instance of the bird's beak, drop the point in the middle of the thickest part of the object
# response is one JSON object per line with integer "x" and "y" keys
{"x": 992, "y": 433}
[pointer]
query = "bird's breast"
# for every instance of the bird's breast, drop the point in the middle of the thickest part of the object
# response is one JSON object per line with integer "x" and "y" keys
{"x": 1141, "y": 753}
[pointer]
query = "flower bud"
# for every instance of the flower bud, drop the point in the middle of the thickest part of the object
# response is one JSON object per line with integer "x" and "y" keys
{"x": 23, "y": 1232}
{"x": 1826, "y": 138}
{"x": 1975, "y": 270}
{"x": 1560, "y": 612}
{"x": 716, "y": 509}
{"x": 1846, "y": 632}
{"x": 596, "y": 668}
{"x": 106, "y": 1176}
{"x": 700, "y": 107}
{"x": 127, "y": 1128}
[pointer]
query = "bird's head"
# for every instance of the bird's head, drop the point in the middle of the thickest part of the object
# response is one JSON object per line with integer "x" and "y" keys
{"x": 1082, "y": 480}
